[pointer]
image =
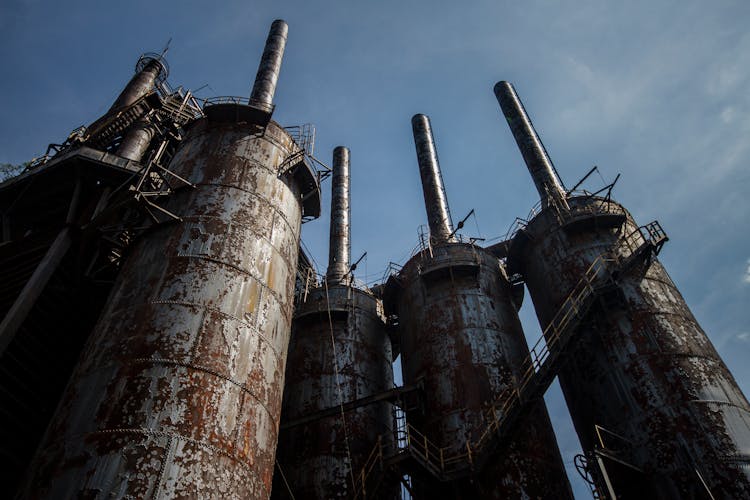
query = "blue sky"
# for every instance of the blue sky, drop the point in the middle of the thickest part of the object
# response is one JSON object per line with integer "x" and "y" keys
{"x": 656, "y": 91}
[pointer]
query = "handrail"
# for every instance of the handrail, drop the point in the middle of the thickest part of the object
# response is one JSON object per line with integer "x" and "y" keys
{"x": 304, "y": 136}
{"x": 435, "y": 457}
{"x": 241, "y": 100}
{"x": 375, "y": 456}
{"x": 542, "y": 358}
{"x": 602, "y": 206}
{"x": 181, "y": 108}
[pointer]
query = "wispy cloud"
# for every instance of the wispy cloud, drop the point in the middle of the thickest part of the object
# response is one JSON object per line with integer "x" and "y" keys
{"x": 746, "y": 276}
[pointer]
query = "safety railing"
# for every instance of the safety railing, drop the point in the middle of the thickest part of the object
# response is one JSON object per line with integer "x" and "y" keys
{"x": 424, "y": 241}
{"x": 543, "y": 355}
{"x": 358, "y": 284}
{"x": 181, "y": 107}
{"x": 570, "y": 309}
{"x": 599, "y": 207}
{"x": 609, "y": 440}
{"x": 392, "y": 269}
{"x": 647, "y": 239}
{"x": 241, "y": 100}
{"x": 156, "y": 182}
{"x": 535, "y": 374}
{"x": 587, "y": 471}
{"x": 427, "y": 451}
{"x": 517, "y": 225}
{"x": 305, "y": 280}
{"x": 291, "y": 161}
{"x": 304, "y": 136}
{"x": 310, "y": 279}
{"x": 374, "y": 459}
{"x": 443, "y": 461}
{"x": 651, "y": 233}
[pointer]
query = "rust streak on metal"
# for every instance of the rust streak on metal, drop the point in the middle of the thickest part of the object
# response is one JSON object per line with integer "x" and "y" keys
{"x": 189, "y": 353}
{"x": 340, "y": 352}
{"x": 461, "y": 335}
{"x": 642, "y": 369}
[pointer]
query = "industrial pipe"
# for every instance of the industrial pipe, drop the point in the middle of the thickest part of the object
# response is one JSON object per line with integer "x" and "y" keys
{"x": 340, "y": 231}
{"x": 436, "y": 203}
{"x": 270, "y": 64}
{"x": 136, "y": 141}
{"x": 141, "y": 84}
{"x": 538, "y": 162}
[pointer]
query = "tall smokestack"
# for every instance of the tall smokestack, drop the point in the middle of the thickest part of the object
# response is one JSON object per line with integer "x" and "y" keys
{"x": 538, "y": 162}
{"x": 339, "y": 249}
{"x": 151, "y": 69}
{"x": 436, "y": 203}
{"x": 270, "y": 64}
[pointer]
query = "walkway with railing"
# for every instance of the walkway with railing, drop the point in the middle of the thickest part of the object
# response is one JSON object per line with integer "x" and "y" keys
{"x": 241, "y": 100}
{"x": 536, "y": 374}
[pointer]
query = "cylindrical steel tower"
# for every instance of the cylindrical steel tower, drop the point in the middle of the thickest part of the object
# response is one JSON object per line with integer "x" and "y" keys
{"x": 178, "y": 391}
{"x": 340, "y": 351}
{"x": 461, "y": 337}
{"x": 542, "y": 171}
{"x": 643, "y": 383}
{"x": 270, "y": 64}
{"x": 127, "y": 117}
{"x": 435, "y": 200}
{"x": 136, "y": 140}
{"x": 339, "y": 251}
{"x": 149, "y": 70}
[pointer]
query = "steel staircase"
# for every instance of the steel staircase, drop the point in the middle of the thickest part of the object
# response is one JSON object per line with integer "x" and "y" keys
{"x": 181, "y": 108}
{"x": 536, "y": 374}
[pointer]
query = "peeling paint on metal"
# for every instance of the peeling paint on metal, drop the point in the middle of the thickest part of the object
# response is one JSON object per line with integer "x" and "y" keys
{"x": 178, "y": 391}
{"x": 643, "y": 367}
{"x": 461, "y": 335}
{"x": 316, "y": 457}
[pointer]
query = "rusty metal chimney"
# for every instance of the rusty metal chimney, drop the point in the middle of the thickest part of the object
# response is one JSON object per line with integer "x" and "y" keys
{"x": 340, "y": 246}
{"x": 149, "y": 69}
{"x": 270, "y": 64}
{"x": 436, "y": 203}
{"x": 537, "y": 160}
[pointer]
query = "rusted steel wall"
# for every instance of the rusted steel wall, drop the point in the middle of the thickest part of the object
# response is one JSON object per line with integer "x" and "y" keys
{"x": 178, "y": 391}
{"x": 461, "y": 335}
{"x": 641, "y": 367}
{"x": 315, "y": 457}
